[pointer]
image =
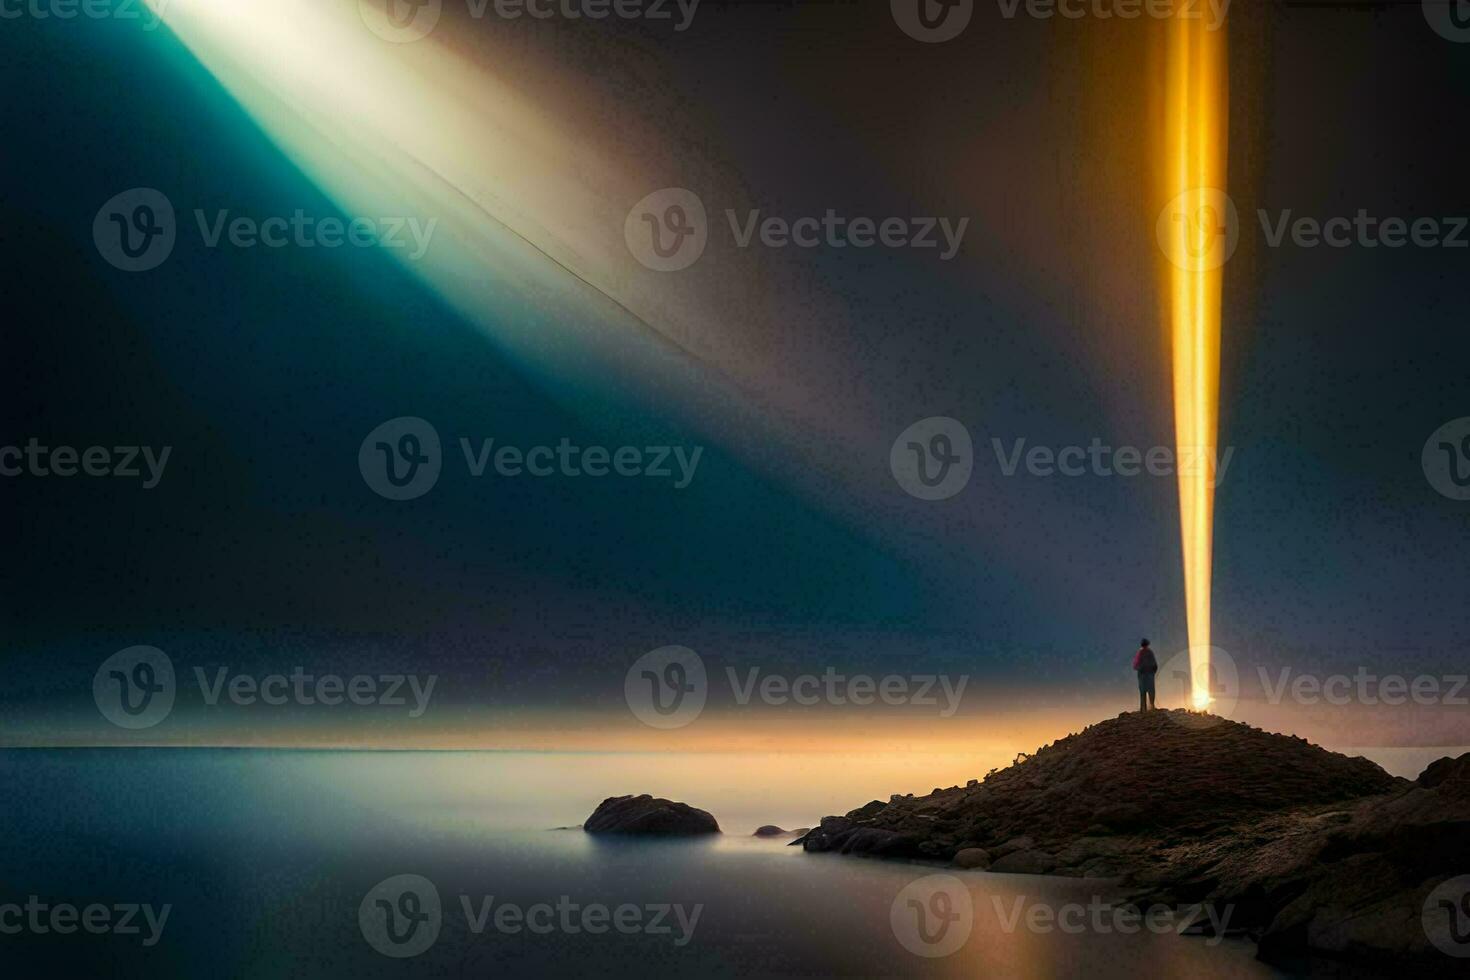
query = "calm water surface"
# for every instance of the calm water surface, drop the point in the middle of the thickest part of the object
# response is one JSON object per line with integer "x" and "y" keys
{"x": 266, "y": 857}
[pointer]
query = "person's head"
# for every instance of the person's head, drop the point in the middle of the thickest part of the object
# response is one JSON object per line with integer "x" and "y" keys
{"x": 1143, "y": 642}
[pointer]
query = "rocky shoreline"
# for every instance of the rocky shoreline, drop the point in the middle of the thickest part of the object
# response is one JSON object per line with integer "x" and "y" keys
{"x": 1315, "y": 853}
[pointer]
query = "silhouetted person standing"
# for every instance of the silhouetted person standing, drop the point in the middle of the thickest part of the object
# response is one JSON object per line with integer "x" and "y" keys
{"x": 1147, "y": 666}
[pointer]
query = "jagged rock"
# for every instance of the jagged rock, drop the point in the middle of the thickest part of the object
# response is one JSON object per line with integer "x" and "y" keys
{"x": 1122, "y": 816}
{"x": 1026, "y": 862}
{"x": 1013, "y": 845}
{"x": 1445, "y": 770}
{"x": 1084, "y": 849}
{"x": 650, "y": 816}
{"x": 878, "y": 843}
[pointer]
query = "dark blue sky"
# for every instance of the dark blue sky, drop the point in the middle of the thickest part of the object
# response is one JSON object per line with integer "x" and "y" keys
{"x": 265, "y": 369}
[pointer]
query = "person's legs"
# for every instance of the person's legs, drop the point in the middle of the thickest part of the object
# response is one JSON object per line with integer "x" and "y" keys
{"x": 1145, "y": 692}
{"x": 1142, "y": 695}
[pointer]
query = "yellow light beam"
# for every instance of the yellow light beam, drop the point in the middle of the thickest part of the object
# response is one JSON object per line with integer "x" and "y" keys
{"x": 1195, "y": 119}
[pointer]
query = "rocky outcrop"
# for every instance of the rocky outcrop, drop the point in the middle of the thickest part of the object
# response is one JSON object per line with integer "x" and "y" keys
{"x": 771, "y": 830}
{"x": 1313, "y": 852}
{"x": 650, "y": 816}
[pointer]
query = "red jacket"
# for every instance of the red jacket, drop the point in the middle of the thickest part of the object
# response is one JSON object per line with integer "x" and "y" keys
{"x": 1145, "y": 661}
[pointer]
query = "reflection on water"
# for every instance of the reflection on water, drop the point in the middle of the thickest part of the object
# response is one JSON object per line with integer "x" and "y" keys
{"x": 267, "y": 858}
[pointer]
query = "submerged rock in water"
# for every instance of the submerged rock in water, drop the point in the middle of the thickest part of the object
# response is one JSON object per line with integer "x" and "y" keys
{"x": 770, "y": 830}
{"x": 648, "y": 815}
